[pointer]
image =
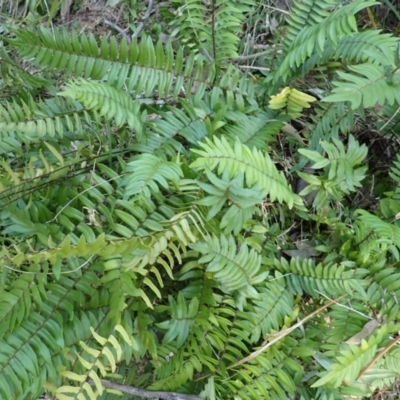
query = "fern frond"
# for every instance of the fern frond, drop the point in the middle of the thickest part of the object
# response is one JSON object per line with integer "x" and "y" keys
{"x": 350, "y": 361}
{"x": 31, "y": 122}
{"x": 303, "y": 275}
{"x": 273, "y": 304}
{"x": 14, "y": 75}
{"x": 147, "y": 174}
{"x": 345, "y": 323}
{"x": 140, "y": 67}
{"x": 257, "y": 168}
{"x": 370, "y": 46}
{"x": 108, "y": 101}
{"x": 306, "y": 13}
{"x": 254, "y": 131}
{"x": 312, "y": 39}
{"x": 33, "y": 342}
{"x": 95, "y": 364}
{"x": 291, "y": 101}
{"x": 381, "y": 228}
{"x": 214, "y": 29}
{"x": 162, "y": 135}
{"x": 328, "y": 121}
{"x": 368, "y": 84}
{"x": 234, "y": 269}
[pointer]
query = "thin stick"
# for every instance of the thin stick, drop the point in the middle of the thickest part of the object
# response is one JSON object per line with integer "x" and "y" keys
{"x": 344, "y": 306}
{"x": 250, "y": 56}
{"x": 79, "y": 194}
{"x": 389, "y": 120}
{"x": 378, "y": 356}
{"x": 115, "y": 26}
{"x": 146, "y": 16}
{"x": 146, "y": 393}
{"x": 50, "y": 273}
{"x": 254, "y": 67}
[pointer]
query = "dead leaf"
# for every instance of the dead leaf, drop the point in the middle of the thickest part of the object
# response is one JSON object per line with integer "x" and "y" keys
{"x": 369, "y": 328}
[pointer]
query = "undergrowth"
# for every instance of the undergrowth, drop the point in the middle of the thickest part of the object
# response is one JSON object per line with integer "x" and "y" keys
{"x": 199, "y": 200}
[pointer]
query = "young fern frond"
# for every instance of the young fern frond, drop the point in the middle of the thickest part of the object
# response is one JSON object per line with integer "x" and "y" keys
{"x": 291, "y": 102}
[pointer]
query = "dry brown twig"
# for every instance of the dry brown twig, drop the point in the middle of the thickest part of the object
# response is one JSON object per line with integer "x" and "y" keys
{"x": 146, "y": 16}
{"x": 146, "y": 393}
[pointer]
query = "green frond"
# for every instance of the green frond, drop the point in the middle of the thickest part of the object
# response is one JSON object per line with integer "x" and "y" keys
{"x": 257, "y": 168}
{"x": 163, "y": 135}
{"x": 233, "y": 269}
{"x": 381, "y": 228}
{"x": 306, "y": 13}
{"x": 140, "y": 67}
{"x": 32, "y": 122}
{"x": 329, "y": 121}
{"x": 367, "y": 46}
{"x": 254, "y": 131}
{"x": 349, "y": 362}
{"x": 273, "y": 304}
{"x": 344, "y": 324}
{"x": 17, "y": 301}
{"x": 368, "y": 84}
{"x": 312, "y": 39}
{"x": 215, "y": 29}
{"x": 30, "y": 345}
{"x": 370, "y": 46}
{"x": 109, "y": 102}
{"x": 269, "y": 376}
{"x": 331, "y": 279}
{"x": 14, "y": 75}
{"x": 148, "y": 174}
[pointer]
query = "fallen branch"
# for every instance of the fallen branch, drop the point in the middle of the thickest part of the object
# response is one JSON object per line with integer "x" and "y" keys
{"x": 146, "y": 16}
{"x": 146, "y": 393}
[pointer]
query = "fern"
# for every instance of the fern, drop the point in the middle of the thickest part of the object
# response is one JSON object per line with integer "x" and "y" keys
{"x": 151, "y": 232}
